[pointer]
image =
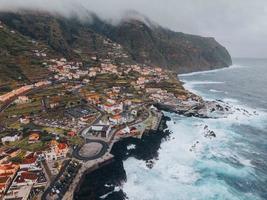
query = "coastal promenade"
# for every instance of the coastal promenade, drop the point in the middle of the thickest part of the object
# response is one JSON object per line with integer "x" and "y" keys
{"x": 87, "y": 167}
{"x": 95, "y": 153}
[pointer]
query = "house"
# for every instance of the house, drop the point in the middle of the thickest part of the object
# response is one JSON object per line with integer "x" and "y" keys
{"x": 24, "y": 120}
{"x": 116, "y": 119}
{"x": 7, "y": 173}
{"x": 72, "y": 133}
{"x": 111, "y": 101}
{"x": 13, "y": 152}
{"x": 93, "y": 98}
{"x": 116, "y": 89}
{"x": 29, "y": 162}
{"x": 12, "y": 137}
{"x": 141, "y": 81}
{"x": 134, "y": 112}
{"x": 22, "y": 100}
{"x": 25, "y": 178}
{"x": 110, "y": 108}
{"x": 126, "y": 130}
{"x": 5, "y": 181}
{"x": 3, "y": 159}
{"x": 8, "y": 168}
{"x": 54, "y": 105}
{"x": 86, "y": 118}
{"x": 158, "y": 69}
{"x": 34, "y": 137}
{"x": 92, "y": 74}
{"x": 57, "y": 151}
{"x": 134, "y": 131}
{"x": 42, "y": 83}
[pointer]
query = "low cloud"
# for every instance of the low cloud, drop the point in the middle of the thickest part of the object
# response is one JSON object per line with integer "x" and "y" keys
{"x": 240, "y": 25}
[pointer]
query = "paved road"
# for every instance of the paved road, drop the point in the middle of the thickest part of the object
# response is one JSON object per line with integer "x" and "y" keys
{"x": 104, "y": 144}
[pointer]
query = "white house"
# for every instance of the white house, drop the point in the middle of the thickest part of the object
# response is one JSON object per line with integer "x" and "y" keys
{"x": 117, "y": 119}
{"x": 23, "y": 100}
{"x": 11, "y": 138}
{"x": 56, "y": 151}
{"x": 110, "y": 108}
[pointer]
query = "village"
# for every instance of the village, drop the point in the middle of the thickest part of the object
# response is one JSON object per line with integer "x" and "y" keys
{"x": 54, "y": 130}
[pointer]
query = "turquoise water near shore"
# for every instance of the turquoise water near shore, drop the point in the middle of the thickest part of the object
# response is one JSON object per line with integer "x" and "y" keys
{"x": 187, "y": 165}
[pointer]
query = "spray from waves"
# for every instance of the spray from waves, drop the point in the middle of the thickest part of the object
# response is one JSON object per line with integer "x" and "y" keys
{"x": 192, "y": 166}
{"x": 205, "y": 173}
{"x": 212, "y": 71}
{"x": 231, "y": 165}
{"x": 191, "y": 85}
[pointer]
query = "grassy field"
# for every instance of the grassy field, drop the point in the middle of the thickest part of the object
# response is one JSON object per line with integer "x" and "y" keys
{"x": 23, "y": 109}
{"x": 25, "y": 145}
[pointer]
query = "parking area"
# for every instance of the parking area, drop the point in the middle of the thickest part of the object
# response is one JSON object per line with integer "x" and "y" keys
{"x": 58, "y": 188}
{"x": 80, "y": 111}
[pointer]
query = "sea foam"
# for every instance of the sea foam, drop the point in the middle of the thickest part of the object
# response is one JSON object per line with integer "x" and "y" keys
{"x": 215, "y": 168}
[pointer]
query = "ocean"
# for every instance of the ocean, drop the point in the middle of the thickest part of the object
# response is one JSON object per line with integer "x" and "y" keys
{"x": 180, "y": 163}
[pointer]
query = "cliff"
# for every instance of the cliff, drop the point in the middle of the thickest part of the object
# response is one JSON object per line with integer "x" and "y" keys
{"x": 143, "y": 42}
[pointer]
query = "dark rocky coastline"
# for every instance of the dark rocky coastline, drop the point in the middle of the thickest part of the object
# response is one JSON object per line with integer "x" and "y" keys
{"x": 204, "y": 109}
{"x": 102, "y": 181}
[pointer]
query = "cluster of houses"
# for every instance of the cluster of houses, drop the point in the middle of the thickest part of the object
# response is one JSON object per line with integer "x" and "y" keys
{"x": 20, "y": 179}
{"x": 115, "y": 105}
{"x": 116, "y": 50}
{"x": 73, "y": 70}
{"x": 66, "y": 70}
{"x": 39, "y": 53}
{"x": 162, "y": 96}
{"x": 185, "y": 101}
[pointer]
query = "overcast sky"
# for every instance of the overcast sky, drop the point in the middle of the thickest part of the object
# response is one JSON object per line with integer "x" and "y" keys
{"x": 240, "y": 25}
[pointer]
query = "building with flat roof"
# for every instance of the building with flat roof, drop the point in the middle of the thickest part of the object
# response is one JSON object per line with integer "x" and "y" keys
{"x": 100, "y": 130}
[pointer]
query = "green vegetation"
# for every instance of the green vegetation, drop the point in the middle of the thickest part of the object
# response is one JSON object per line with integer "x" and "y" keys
{"x": 24, "y": 145}
{"x": 151, "y": 45}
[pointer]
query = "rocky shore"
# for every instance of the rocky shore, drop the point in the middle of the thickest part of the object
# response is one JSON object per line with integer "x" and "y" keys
{"x": 201, "y": 109}
{"x": 105, "y": 182}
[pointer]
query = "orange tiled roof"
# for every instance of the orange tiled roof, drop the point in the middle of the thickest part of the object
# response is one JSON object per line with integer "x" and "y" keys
{"x": 29, "y": 175}
{"x": 3, "y": 179}
{"x": 116, "y": 117}
{"x": 71, "y": 133}
{"x": 8, "y": 166}
{"x": 34, "y": 136}
{"x": 29, "y": 160}
{"x": 62, "y": 146}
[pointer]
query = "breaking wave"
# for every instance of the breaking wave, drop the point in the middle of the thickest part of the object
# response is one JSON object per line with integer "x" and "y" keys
{"x": 190, "y": 165}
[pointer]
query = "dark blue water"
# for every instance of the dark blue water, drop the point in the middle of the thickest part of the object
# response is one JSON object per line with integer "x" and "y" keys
{"x": 231, "y": 166}
{"x": 245, "y": 81}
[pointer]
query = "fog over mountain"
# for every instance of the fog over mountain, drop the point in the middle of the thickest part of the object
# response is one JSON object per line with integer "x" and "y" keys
{"x": 240, "y": 25}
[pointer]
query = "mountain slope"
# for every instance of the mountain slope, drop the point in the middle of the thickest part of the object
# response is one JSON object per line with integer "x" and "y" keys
{"x": 158, "y": 46}
{"x": 142, "y": 42}
{"x": 18, "y": 64}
